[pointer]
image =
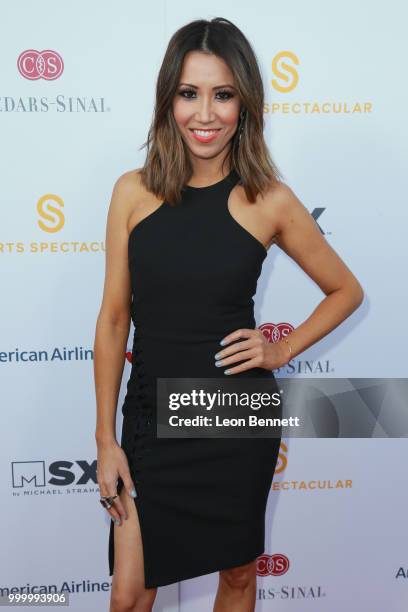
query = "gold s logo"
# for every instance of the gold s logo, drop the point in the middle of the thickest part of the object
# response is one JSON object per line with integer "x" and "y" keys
{"x": 282, "y": 458}
{"x": 50, "y": 213}
{"x": 285, "y": 71}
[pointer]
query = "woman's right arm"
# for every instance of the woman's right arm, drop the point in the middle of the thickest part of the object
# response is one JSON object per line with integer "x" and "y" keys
{"x": 111, "y": 335}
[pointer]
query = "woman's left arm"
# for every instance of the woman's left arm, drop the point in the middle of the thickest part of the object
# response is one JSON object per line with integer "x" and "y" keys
{"x": 299, "y": 236}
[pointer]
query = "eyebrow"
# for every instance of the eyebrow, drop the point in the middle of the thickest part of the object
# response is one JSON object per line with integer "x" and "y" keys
{"x": 216, "y": 87}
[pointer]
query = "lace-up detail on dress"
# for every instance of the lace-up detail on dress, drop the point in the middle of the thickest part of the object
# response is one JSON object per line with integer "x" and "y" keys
{"x": 139, "y": 410}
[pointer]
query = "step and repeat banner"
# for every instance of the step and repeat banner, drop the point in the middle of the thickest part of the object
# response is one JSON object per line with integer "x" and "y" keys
{"x": 77, "y": 85}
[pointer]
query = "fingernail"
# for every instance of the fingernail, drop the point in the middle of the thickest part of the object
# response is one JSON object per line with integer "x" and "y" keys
{"x": 218, "y": 364}
{"x": 133, "y": 493}
{"x": 226, "y": 371}
{"x": 217, "y": 356}
{"x": 222, "y": 342}
{"x": 117, "y": 521}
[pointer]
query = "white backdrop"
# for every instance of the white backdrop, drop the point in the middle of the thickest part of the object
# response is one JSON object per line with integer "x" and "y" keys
{"x": 336, "y": 125}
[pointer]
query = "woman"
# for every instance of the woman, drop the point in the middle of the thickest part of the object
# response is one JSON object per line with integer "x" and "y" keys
{"x": 186, "y": 238}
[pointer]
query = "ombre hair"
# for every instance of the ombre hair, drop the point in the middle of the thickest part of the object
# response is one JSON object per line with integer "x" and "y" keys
{"x": 167, "y": 167}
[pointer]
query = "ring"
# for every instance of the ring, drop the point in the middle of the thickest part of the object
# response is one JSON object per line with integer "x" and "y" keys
{"x": 107, "y": 501}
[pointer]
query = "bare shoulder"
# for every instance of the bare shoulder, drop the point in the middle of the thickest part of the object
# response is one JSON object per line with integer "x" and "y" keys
{"x": 129, "y": 186}
{"x": 281, "y": 204}
{"x": 281, "y": 200}
{"x": 133, "y": 197}
{"x": 129, "y": 198}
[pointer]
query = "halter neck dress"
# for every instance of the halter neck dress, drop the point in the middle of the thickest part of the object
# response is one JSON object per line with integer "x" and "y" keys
{"x": 201, "y": 502}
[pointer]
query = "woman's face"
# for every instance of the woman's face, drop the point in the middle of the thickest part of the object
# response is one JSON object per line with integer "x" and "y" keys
{"x": 206, "y": 104}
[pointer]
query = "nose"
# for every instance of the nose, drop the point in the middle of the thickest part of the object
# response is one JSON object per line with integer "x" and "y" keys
{"x": 205, "y": 112}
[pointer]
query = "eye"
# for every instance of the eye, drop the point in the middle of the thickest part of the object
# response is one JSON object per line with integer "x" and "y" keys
{"x": 182, "y": 93}
{"x": 189, "y": 93}
{"x": 226, "y": 95}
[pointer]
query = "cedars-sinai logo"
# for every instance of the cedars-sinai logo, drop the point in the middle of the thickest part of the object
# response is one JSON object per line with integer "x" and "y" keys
{"x": 272, "y": 565}
{"x": 34, "y": 65}
{"x": 274, "y": 332}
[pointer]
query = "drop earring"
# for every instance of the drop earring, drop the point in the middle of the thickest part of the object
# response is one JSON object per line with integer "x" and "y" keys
{"x": 242, "y": 115}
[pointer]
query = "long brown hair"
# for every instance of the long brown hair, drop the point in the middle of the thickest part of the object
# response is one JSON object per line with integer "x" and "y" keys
{"x": 167, "y": 167}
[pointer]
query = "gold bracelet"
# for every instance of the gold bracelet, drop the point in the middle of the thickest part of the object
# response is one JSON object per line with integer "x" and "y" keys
{"x": 290, "y": 348}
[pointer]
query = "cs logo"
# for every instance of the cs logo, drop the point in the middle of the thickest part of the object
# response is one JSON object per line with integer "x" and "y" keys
{"x": 272, "y": 565}
{"x": 34, "y": 65}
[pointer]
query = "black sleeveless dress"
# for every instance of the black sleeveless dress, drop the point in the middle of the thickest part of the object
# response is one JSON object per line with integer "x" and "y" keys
{"x": 201, "y": 501}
